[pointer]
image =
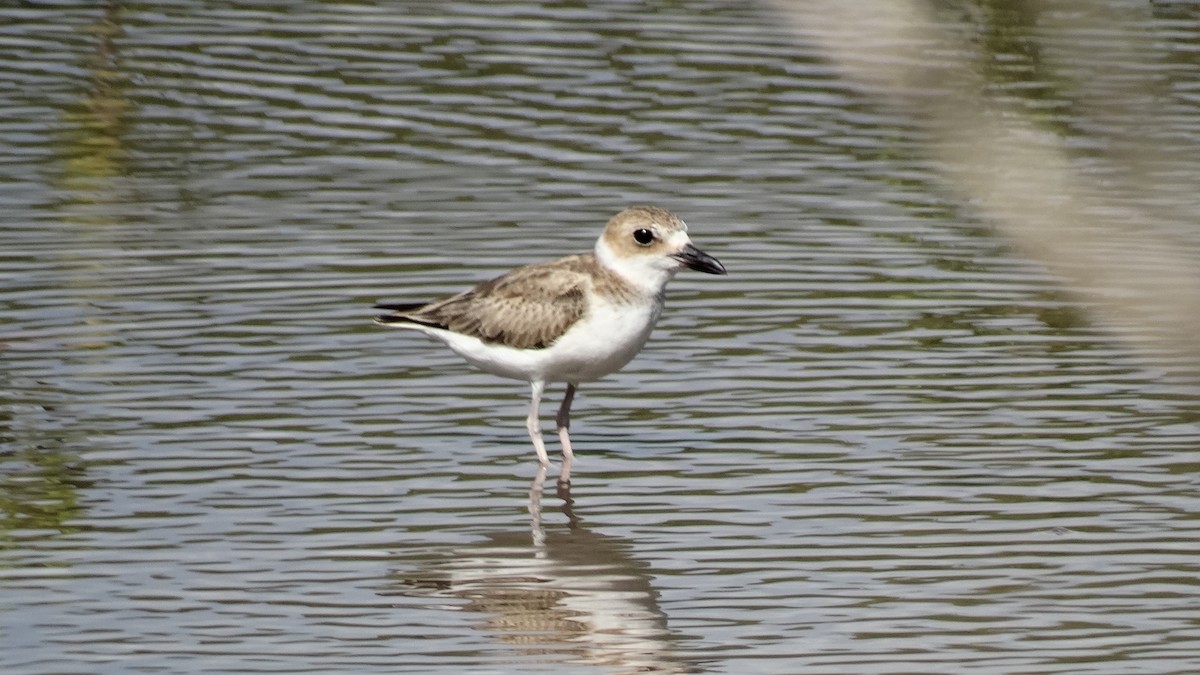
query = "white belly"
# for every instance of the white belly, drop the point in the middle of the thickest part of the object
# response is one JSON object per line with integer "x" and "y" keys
{"x": 602, "y": 343}
{"x": 599, "y": 344}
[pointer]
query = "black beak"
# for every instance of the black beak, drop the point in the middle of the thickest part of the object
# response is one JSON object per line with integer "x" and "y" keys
{"x": 698, "y": 260}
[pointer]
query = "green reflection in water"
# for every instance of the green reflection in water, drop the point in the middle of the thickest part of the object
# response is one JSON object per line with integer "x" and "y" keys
{"x": 94, "y": 151}
{"x": 39, "y": 479}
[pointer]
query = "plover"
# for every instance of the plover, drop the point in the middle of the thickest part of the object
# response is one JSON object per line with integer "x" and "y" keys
{"x": 570, "y": 320}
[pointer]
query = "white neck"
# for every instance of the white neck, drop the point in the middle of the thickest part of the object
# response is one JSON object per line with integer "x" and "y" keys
{"x": 644, "y": 272}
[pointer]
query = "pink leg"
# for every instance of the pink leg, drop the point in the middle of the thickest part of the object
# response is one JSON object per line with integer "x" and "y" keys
{"x": 531, "y": 422}
{"x": 563, "y": 419}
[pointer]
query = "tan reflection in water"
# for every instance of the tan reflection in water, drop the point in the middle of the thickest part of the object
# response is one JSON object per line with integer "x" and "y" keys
{"x": 559, "y": 595}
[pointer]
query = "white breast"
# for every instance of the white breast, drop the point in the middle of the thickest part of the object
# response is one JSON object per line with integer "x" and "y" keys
{"x": 602, "y": 343}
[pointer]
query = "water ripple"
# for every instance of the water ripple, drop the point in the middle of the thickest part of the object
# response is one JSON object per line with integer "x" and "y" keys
{"x": 885, "y": 442}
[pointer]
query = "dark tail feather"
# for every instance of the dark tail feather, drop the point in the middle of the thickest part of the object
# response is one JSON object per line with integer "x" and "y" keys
{"x": 394, "y": 319}
{"x": 402, "y": 314}
{"x": 400, "y": 306}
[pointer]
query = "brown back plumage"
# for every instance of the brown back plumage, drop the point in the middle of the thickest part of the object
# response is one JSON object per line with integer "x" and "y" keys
{"x": 528, "y": 308}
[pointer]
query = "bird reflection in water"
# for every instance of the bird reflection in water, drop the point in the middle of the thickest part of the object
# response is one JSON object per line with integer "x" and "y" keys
{"x": 558, "y": 594}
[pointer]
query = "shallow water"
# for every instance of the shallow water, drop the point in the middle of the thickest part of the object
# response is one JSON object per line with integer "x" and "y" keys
{"x": 885, "y": 442}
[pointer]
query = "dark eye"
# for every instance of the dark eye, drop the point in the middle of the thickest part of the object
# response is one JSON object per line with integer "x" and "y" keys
{"x": 643, "y": 236}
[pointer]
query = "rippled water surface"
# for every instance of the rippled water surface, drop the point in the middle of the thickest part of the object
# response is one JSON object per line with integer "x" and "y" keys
{"x": 887, "y": 441}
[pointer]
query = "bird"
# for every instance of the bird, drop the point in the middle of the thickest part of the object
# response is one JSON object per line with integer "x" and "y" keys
{"x": 570, "y": 320}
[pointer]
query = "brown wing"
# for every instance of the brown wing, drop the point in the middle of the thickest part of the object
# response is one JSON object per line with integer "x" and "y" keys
{"x": 528, "y": 308}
